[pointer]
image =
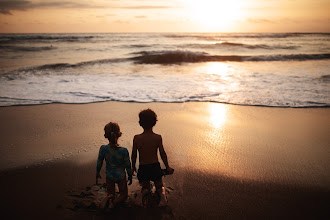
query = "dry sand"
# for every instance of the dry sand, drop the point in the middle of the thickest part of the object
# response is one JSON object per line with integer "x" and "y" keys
{"x": 231, "y": 162}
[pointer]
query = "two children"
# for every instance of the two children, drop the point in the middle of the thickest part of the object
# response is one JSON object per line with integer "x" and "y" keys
{"x": 117, "y": 159}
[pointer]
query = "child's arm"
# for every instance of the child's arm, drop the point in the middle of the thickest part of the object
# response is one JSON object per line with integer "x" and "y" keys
{"x": 163, "y": 155}
{"x": 134, "y": 155}
{"x": 127, "y": 164}
{"x": 99, "y": 164}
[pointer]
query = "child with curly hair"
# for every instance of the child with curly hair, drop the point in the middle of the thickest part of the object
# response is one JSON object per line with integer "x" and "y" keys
{"x": 147, "y": 144}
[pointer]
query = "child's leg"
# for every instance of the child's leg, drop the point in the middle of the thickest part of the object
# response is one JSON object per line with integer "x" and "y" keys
{"x": 145, "y": 186}
{"x": 110, "y": 188}
{"x": 161, "y": 192}
{"x": 159, "y": 186}
{"x": 145, "y": 189}
{"x": 123, "y": 192}
{"x": 110, "y": 194}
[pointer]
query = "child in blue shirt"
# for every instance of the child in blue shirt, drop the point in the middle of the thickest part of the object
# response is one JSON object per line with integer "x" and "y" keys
{"x": 117, "y": 161}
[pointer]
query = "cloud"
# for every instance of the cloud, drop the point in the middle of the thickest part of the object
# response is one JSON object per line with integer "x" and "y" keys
{"x": 146, "y": 7}
{"x": 6, "y": 6}
{"x": 141, "y": 16}
{"x": 122, "y": 22}
{"x": 259, "y": 20}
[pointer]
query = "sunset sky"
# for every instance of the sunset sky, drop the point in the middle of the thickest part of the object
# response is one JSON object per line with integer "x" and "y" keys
{"x": 43, "y": 16}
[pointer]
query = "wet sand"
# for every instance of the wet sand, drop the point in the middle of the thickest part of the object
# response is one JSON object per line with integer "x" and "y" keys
{"x": 231, "y": 162}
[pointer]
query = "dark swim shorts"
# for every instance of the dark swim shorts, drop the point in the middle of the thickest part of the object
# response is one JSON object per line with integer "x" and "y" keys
{"x": 150, "y": 172}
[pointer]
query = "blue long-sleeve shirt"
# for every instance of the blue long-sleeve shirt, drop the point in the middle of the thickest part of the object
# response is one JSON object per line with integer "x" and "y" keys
{"x": 117, "y": 160}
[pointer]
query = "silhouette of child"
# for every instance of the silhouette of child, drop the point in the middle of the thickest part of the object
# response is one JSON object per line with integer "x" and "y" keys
{"x": 147, "y": 144}
{"x": 117, "y": 160}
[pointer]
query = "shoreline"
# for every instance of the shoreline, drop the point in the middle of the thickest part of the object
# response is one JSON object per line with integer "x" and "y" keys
{"x": 160, "y": 102}
{"x": 230, "y": 161}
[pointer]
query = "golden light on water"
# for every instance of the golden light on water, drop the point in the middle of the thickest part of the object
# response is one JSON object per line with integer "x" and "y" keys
{"x": 217, "y": 68}
{"x": 217, "y": 115}
{"x": 224, "y": 70}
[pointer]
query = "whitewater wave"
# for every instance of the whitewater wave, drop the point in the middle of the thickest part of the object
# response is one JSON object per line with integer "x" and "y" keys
{"x": 16, "y": 38}
{"x": 247, "y": 35}
{"x": 289, "y": 57}
{"x": 325, "y": 78}
{"x": 96, "y": 67}
{"x": 168, "y": 57}
{"x": 24, "y": 48}
{"x": 51, "y": 69}
{"x": 255, "y": 46}
{"x": 176, "y": 57}
{"x": 138, "y": 45}
{"x": 75, "y": 65}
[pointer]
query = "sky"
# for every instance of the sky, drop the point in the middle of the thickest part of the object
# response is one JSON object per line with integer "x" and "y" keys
{"x": 88, "y": 16}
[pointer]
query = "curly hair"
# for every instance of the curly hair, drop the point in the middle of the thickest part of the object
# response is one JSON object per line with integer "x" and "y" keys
{"x": 112, "y": 132}
{"x": 148, "y": 118}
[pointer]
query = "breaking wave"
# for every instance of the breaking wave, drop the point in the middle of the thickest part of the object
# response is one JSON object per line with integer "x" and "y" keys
{"x": 47, "y": 68}
{"x": 247, "y": 35}
{"x": 325, "y": 78}
{"x": 256, "y": 46}
{"x": 175, "y": 57}
{"x": 13, "y": 38}
{"x": 69, "y": 65}
{"x": 24, "y": 48}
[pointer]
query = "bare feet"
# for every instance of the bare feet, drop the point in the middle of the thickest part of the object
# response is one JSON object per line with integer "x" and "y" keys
{"x": 163, "y": 198}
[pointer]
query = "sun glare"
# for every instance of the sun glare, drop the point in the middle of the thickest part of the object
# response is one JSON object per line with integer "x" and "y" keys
{"x": 217, "y": 68}
{"x": 217, "y": 114}
{"x": 215, "y": 15}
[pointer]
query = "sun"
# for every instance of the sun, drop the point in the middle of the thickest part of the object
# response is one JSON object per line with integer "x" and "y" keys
{"x": 214, "y": 15}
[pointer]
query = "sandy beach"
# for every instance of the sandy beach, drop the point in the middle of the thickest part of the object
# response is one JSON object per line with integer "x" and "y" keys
{"x": 231, "y": 162}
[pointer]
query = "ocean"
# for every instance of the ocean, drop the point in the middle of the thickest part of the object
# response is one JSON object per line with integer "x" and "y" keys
{"x": 257, "y": 69}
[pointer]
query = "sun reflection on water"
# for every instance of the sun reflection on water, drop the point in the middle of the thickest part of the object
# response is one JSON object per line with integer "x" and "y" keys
{"x": 217, "y": 68}
{"x": 217, "y": 115}
{"x": 224, "y": 71}
{"x": 210, "y": 155}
